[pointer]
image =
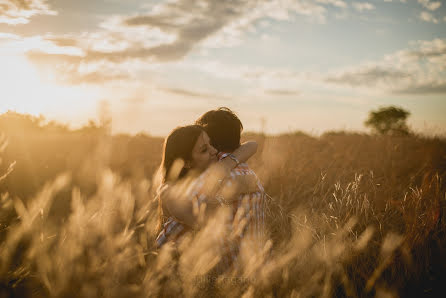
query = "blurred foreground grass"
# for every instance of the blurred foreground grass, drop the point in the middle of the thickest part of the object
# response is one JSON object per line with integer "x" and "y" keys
{"x": 349, "y": 215}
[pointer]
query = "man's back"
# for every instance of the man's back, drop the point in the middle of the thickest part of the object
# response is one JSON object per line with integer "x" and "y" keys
{"x": 249, "y": 203}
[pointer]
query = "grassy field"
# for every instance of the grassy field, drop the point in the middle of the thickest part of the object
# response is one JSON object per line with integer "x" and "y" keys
{"x": 348, "y": 215}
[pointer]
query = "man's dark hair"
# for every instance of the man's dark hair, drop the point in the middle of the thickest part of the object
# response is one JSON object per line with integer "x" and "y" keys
{"x": 223, "y": 127}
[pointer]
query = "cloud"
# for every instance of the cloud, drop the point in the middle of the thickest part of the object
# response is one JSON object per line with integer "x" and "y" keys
{"x": 195, "y": 94}
{"x": 82, "y": 59}
{"x": 167, "y": 33}
{"x": 120, "y": 43}
{"x": 337, "y": 3}
{"x": 368, "y": 75}
{"x": 363, "y": 6}
{"x": 434, "y": 51}
{"x": 256, "y": 80}
{"x": 95, "y": 77}
{"x": 430, "y": 5}
{"x": 63, "y": 41}
{"x": 417, "y": 70}
{"x": 7, "y": 39}
{"x": 216, "y": 23}
{"x": 190, "y": 22}
{"x": 18, "y": 44}
{"x": 72, "y": 70}
{"x": 282, "y": 92}
{"x": 263, "y": 74}
{"x": 70, "y": 59}
{"x": 15, "y": 12}
{"x": 428, "y": 17}
{"x": 44, "y": 58}
{"x": 428, "y": 88}
{"x": 171, "y": 30}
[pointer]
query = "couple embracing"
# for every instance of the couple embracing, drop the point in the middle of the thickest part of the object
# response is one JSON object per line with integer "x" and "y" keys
{"x": 204, "y": 171}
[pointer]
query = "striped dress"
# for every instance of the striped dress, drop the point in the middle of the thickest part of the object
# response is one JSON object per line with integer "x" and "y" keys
{"x": 172, "y": 229}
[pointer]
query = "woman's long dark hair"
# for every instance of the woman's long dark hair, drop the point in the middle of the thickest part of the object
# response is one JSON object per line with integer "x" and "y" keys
{"x": 177, "y": 146}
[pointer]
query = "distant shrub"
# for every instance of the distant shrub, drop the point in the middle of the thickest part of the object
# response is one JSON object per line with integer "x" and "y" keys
{"x": 388, "y": 120}
{"x": 340, "y": 133}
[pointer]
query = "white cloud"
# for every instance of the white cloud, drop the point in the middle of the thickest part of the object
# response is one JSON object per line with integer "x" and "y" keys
{"x": 337, "y": 3}
{"x": 277, "y": 78}
{"x": 418, "y": 70}
{"x": 369, "y": 74}
{"x": 428, "y": 17}
{"x": 72, "y": 70}
{"x": 17, "y": 44}
{"x": 363, "y": 6}
{"x": 282, "y": 92}
{"x": 171, "y": 30}
{"x": 60, "y": 58}
{"x": 215, "y": 23}
{"x": 15, "y": 12}
{"x": 6, "y": 38}
{"x": 430, "y": 5}
{"x": 197, "y": 94}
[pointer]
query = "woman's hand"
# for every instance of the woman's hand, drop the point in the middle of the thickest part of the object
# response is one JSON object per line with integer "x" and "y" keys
{"x": 240, "y": 155}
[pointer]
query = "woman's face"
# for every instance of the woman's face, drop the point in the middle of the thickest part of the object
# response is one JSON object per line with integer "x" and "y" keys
{"x": 203, "y": 154}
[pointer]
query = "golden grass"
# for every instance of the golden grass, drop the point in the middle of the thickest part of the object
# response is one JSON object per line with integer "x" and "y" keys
{"x": 348, "y": 215}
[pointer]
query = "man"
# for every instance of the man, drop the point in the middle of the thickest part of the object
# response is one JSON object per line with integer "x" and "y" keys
{"x": 247, "y": 214}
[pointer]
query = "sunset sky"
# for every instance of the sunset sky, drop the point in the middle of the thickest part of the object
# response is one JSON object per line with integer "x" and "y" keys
{"x": 311, "y": 65}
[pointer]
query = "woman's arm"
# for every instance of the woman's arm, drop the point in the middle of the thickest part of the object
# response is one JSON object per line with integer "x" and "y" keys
{"x": 179, "y": 199}
{"x": 187, "y": 201}
{"x": 242, "y": 154}
{"x": 179, "y": 206}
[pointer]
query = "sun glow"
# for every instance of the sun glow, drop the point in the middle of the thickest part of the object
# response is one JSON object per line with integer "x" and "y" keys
{"x": 25, "y": 90}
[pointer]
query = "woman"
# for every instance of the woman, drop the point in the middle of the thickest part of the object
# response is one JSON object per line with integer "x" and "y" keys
{"x": 188, "y": 153}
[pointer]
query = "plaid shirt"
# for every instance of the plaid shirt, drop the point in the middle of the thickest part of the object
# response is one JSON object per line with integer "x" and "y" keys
{"x": 247, "y": 209}
{"x": 249, "y": 206}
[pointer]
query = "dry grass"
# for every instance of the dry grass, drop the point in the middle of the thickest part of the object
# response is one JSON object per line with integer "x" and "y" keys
{"x": 348, "y": 215}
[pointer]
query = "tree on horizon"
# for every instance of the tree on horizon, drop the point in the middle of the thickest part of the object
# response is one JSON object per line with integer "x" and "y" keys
{"x": 388, "y": 120}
